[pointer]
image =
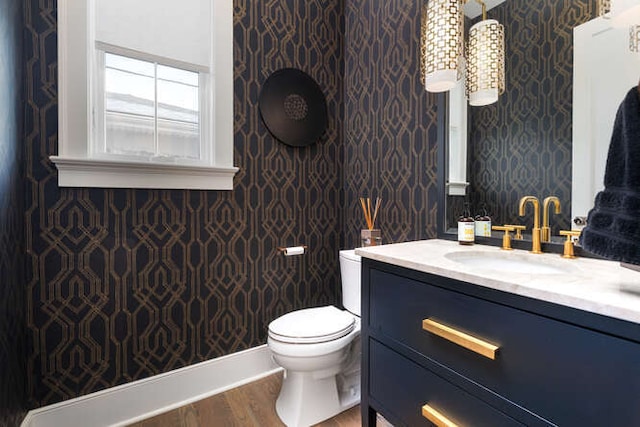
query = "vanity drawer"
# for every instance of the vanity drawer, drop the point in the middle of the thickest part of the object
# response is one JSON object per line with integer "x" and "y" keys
{"x": 405, "y": 387}
{"x": 539, "y": 362}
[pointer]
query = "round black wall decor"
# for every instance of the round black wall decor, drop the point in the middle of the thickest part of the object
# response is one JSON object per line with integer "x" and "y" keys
{"x": 293, "y": 107}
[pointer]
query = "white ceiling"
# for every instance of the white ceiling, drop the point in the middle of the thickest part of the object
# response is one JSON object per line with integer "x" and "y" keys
{"x": 473, "y": 8}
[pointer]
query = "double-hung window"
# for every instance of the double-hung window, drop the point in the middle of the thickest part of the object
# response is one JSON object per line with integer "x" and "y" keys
{"x": 145, "y": 94}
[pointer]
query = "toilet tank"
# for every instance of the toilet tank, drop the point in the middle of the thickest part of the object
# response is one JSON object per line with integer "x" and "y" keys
{"x": 350, "y": 273}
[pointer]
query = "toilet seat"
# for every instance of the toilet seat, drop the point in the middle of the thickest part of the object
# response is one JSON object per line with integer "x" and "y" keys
{"x": 312, "y": 325}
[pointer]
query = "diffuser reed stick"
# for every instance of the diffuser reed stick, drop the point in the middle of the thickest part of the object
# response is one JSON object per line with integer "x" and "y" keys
{"x": 366, "y": 209}
{"x": 375, "y": 212}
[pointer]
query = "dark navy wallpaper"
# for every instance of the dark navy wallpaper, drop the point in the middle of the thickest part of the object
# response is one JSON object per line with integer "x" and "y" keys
{"x": 389, "y": 124}
{"x": 125, "y": 284}
{"x": 12, "y": 291}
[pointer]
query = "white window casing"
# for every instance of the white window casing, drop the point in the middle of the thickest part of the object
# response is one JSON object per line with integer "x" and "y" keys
{"x": 80, "y": 42}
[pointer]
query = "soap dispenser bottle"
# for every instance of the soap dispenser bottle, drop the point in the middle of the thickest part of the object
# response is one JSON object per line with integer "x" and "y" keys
{"x": 483, "y": 223}
{"x": 466, "y": 227}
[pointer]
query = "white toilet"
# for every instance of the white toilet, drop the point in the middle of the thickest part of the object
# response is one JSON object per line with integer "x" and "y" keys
{"x": 319, "y": 348}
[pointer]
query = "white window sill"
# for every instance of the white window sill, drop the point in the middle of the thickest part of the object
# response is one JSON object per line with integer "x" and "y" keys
{"x": 83, "y": 172}
{"x": 457, "y": 188}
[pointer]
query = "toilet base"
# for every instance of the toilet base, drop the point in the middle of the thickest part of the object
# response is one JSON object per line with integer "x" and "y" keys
{"x": 320, "y": 381}
{"x": 329, "y": 397}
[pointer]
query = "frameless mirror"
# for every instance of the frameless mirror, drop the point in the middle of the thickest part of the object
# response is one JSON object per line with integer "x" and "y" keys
{"x": 533, "y": 141}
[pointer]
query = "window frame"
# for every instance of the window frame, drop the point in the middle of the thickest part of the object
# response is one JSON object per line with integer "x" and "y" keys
{"x": 77, "y": 162}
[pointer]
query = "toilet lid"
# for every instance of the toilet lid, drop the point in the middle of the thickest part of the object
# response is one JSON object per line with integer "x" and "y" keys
{"x": 312, "y": 325}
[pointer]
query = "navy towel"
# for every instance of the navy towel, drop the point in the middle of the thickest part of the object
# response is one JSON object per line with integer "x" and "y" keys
{"x": 613, "y": 225}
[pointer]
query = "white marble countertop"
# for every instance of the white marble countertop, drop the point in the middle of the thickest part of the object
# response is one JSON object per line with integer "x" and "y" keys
{"x": 602, "y": 287}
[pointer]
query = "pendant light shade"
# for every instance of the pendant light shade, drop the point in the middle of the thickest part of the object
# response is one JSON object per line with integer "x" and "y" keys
{"x": 634, "y": 38}
{"x": 604, "y": 8}
{"x": 623, "y": 13}
{"x": 485, "y": 63}
{"x": 441, "y": 44}
{"x": 443, "y": 59}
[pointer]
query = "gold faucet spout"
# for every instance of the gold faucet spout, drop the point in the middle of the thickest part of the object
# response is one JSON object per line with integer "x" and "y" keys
{"x": 535, "y": 232}
{"x": 546, "y": 230}
{"x": 536, "y": 209}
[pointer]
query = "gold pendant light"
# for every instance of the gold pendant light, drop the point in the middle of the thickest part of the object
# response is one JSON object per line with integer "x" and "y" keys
{"x": 634, "y": 38}
{"x": 442, "y": 56}
{"x": 441, "y": 44}
{"x": 604, "y": 8}
{"x": 485, "y": 61}
{"x": 623, "y": 13}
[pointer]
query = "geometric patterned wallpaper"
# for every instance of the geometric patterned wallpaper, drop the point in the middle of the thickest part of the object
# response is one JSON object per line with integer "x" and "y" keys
{"x": 522, "y": 144}
{"x": 390, "y": 127}
{"x": 12, "y": 296}
{"x": 123, "y": 284}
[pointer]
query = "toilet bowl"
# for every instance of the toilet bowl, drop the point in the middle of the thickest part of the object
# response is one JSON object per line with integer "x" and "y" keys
{"x": 319, "y": 348}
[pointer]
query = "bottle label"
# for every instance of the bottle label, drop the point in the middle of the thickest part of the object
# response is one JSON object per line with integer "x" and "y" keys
{"x": 466, "y": 231}
{"x": 483, "y": 228}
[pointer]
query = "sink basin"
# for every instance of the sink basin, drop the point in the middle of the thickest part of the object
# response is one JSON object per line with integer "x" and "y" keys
{"x": 521, "y": 263}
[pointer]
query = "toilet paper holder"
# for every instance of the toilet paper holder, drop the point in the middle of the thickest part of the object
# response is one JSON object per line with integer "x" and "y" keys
{"x": 293, "y": 250}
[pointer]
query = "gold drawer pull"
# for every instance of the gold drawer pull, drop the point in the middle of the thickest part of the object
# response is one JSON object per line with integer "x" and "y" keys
{"x": 467, "y": 341}
{"x": 436, "y": 417}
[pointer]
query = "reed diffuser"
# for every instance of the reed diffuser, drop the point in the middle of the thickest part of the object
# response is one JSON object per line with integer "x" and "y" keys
{"x": 370, "y": 236}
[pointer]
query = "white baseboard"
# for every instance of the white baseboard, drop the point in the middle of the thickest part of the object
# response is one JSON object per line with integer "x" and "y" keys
{"x": 135, "y": 401}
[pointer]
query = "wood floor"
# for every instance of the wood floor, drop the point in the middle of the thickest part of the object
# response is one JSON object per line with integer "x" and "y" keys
{"x": 251, "y": 405}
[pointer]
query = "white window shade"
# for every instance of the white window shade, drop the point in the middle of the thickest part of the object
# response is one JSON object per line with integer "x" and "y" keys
{"x": 176, "y": 30}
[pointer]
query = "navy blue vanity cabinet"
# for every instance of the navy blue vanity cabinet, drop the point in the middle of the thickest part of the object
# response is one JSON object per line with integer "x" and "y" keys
{"x": 484, "y": 357}
{"x": 405, "y": 387}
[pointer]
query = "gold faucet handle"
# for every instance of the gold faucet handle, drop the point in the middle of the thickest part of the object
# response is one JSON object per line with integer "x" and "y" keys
{"x": 518, "y": 229}
{"x": 506, "y": 239}
{"x": 568, "y": 244}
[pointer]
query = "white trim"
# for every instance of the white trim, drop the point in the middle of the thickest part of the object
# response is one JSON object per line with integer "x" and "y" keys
{"x": 73, "y": 74}
{"x": 138, "y": 400}
{"x": 457, "y": 188}
{"x": 84, "y": 172}
{"x": 222, "y": 81}
{"x": 458, "y": 137}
